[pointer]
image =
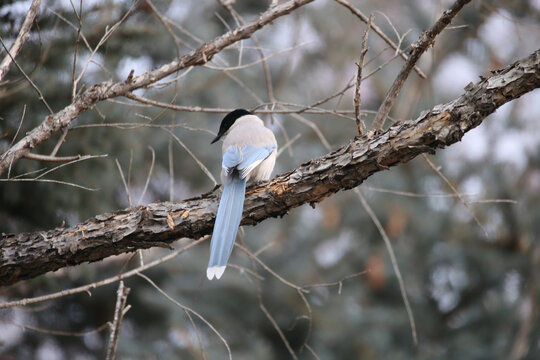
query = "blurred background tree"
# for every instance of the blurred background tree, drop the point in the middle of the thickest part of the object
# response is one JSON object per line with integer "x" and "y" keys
{"x": 473, "y": 297}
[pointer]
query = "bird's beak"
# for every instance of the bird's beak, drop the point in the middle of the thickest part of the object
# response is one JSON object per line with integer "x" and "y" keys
{"x": 216, "y": 138}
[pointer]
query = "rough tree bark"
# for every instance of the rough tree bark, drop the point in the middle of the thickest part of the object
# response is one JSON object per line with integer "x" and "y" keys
{"x": 27, "y": 255}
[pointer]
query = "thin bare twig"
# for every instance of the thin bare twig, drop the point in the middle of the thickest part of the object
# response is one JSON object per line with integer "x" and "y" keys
{"x": 396, "y": 32}
{"x": 528, "y": 311}
{"x": 166, "y": 24}
{"x": 393, "y": 260}
{"x": 456, "y": 192}
{"x": 171, "y": 168}
{"x": 70, "y": 24}
{"x": 315, "y": 128}
{"x": 175, "y": 79}
{"x": 129, "y": 169}
{"x": 108, "y": 33}
{"x": 276, "y": 327}
{"x": 266, "y": 69}
{"x": 121, "y": 298}
{"x": 140, "y": 252}
{"x": 74, "y": 68}
{"x": 149, "y": 174}
{"x": 313, "y": 108}
{"x": 58, "y": 332}
{"x": 50, "y": 158}
{"x": 34, "y": 86}
{"x": 28, "y": 173}
{"x": 264, "y": 60}
{"x": 59, "y": 142}
{"x": 126, "y": 187}
{"x": 254, "y": 260}
{"x": 310, "y": 349}
{"x": 309, "y": 318}
{"x": 379, "y": 32}
{"x": 492, "y": 201}
{"x": 360, "y": 64}
{"x": 338, "y": 283}
{"x": 19, "y": 127}
{"x": 309, "y": 109}
{"x": 244, "y": 270}
{"x": 78, "y": 159}
{"x": 132, "y": 126}
{"x": 49, "y": 181}
{"x": 75, "y": 53}
{"x": 190, "y": 310}
{"x": 288, "y": 144}
{"x": 38, "y": 178}
{"x": 410, "y": 194}
{"x": 418, "y": 195}
{"x": 267, "y": 268}
{"x": 199, "y": 162}
{"x": 426, "y": 40}
{"x": 24, "y": 34}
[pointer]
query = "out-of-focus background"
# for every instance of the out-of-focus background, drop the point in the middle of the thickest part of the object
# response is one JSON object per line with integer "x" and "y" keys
{"x": 472, "y": 296}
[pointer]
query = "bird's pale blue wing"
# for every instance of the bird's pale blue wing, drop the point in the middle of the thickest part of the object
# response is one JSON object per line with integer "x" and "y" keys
{"x": 253, "y": 156}
{"x": 232, "y": 157}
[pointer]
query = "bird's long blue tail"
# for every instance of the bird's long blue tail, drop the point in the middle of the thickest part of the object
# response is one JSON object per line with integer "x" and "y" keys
{"x": 226, "y": 227}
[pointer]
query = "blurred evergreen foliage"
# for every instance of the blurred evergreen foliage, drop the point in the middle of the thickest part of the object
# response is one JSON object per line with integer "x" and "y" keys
{"x": 472, "y": 297}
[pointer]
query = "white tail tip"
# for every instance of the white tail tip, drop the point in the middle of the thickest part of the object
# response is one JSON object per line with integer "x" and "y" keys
{"x": 216, "y": 271}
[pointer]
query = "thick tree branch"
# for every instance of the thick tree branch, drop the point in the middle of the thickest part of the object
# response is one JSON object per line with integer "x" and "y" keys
{"x": 27, "y": 255}
{"x": 110, "y": 89}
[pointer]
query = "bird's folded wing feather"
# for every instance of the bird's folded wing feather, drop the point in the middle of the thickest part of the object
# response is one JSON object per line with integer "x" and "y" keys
{"x": 232, "y": 157}
{"x": 252, "y": 156}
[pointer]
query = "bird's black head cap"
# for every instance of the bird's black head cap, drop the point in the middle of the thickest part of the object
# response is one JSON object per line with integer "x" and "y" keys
{"x": 228, "y": 121}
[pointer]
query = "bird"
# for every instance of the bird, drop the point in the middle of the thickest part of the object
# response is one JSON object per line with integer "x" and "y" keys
{"x": 249, "y": 155}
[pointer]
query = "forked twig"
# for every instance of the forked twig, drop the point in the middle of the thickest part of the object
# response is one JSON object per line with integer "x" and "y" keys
{"x": 276, "y": 327}
{"x": 108, "y": 33}
{"x": 338, "y": 283}
{"x": 379, "y": 32}
{"x": 263, "y": 60}
{"x": 121, "y": 298}
{"x": 267, "y": 268}
{"x": 38, "y": 178}
{"x": 426, "y": 40}
{"x": 456, "y": 193}
{"x": 49, "y": 158}
{"x": 201, "y": 165}
{"x": 393, "y": 260}
{"x": 188, "y": 310}
{"x": 360, "y": 64}
{"x": 34, "y": 86}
